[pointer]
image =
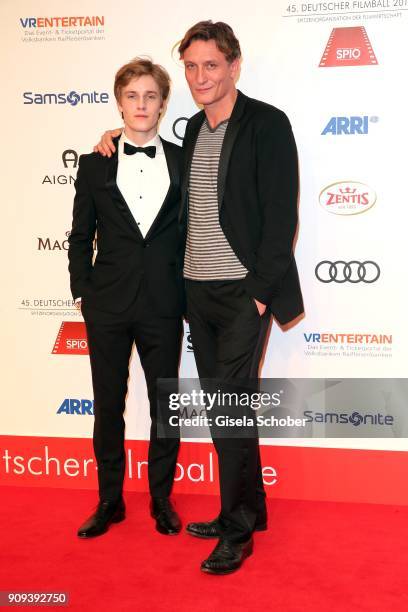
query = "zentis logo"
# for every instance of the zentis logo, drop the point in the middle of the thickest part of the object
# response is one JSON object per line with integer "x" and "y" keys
{"x": 71, "y": 339}
{"x": 348, "y": 47}
{"x": 347, "y": 198}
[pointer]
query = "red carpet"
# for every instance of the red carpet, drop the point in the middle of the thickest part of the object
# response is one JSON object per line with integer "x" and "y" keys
{"x": 316, "y": 556}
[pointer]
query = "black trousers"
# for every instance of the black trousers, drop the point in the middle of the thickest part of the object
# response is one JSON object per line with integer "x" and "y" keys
{"x": 158, "y": 342}
{"x": 228, "y": 337}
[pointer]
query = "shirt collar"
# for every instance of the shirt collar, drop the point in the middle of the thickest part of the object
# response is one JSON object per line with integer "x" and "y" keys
{"x": 154, "y": 142}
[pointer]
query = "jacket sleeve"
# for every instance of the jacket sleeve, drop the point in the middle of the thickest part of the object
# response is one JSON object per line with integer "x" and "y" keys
{"x": 278, "y": 185}
{"x": 81, "y": 239}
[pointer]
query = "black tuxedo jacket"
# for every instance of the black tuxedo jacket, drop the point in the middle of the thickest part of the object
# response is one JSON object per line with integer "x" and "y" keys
{"x": 257, "y": 198}
{"x": 124, "y": 257}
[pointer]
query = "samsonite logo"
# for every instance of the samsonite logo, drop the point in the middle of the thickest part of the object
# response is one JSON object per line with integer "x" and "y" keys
{"x": 350, "y": 126}
{"x": 73, "y": 98}
{"x": 347, "y": 198}
{"x": 348, "y": 47}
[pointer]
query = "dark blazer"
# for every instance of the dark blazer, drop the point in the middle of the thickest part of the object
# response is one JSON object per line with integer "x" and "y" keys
{"x": 257, "y": 198}
{"x": 124, "y": 257}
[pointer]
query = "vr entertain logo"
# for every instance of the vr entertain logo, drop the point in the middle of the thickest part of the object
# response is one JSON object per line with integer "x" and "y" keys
{"x": 329, "y": 338}
{"x": 348, "y": 47}
{"x": 71, "y": 339}
{"x": 347, "y": 198}
{"x": 337, "y": 126}
{"x": 73, "y": 98}
{"x": 62, "y": 22}
{"x": 76, "y": 406}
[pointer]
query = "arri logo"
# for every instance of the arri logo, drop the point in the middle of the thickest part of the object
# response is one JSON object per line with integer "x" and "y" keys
{"x": 337, "y": 126}
{"x": 347, "y": 198}
{"x": 71, "y": 339}
{"x": 76, "y": 406}
{"x": 348, "y": 47}
{"x": 73, "y": 98}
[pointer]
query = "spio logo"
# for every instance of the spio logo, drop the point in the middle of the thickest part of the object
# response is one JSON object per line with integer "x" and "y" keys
{"x": 76, "y": 406}
{"x": 351, "y": 271}
{"x": 347, "y": 198}
{"x": 349, "y": 125}
{"x": 71, "y": 339}
{"x": 348, "y": 47}
{"x": 73, "y": 98}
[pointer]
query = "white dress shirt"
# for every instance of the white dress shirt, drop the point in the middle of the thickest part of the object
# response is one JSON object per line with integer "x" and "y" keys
{"x": 143, "y": 181}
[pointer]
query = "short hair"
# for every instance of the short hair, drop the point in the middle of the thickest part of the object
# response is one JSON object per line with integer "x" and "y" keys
{"x": 140, "y": 66}
{"x": 220, "y": 32}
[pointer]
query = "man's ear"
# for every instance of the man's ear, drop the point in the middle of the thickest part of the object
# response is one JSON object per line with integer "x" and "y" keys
{"x": 163, "y": 108}
{"x": 235, "y": 67}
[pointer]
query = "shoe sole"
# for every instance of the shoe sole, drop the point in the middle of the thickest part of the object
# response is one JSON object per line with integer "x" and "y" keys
{"x": 118, "y": 519}
{"x": 262, "y": 527}
{"x": 247, "y": 554}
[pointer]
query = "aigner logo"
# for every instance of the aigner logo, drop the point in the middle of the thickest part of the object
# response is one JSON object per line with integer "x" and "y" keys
{"x": 347, "y": 198}
{"x": 70, "y": 157}
{"x": 348, "y": 47}
{"x": 343, "y": 271}
{"x": 69, "y": 160}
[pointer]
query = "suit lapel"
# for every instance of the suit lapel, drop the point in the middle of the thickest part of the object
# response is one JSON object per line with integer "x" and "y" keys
{"x": 188, "y": 151}
{"x": 228, "y": 144}
{"x": 114, "y": 191}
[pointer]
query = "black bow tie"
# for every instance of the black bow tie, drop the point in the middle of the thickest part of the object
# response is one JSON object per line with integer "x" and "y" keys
{"x": 131, "y": 150}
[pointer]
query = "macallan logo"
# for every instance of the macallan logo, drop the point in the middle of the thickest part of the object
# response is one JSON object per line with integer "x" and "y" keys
{"x": 348, "y": 47}
{"x": 347, "y": 198}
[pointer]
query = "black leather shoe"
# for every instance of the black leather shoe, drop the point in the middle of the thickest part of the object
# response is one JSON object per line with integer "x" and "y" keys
{"x": 211, "y": 528}
{"x": 167, "y": 519}
{"x": 106, "y": 513}
{"x": 227, "y": 557}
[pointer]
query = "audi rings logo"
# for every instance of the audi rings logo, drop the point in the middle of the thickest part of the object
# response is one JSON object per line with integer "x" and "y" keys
{"x": 352, "y": 271}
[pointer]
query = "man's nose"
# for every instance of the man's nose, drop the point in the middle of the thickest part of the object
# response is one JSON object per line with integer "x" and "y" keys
{"x": 201, "y": 76}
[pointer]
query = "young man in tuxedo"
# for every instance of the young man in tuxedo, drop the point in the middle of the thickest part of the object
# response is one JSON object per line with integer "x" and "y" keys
{"x": 239, "y": 211}
{"x": 132, "y": 293}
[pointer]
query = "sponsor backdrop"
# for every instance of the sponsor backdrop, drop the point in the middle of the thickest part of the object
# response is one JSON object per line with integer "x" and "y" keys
{"x": 336, "y": 69}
